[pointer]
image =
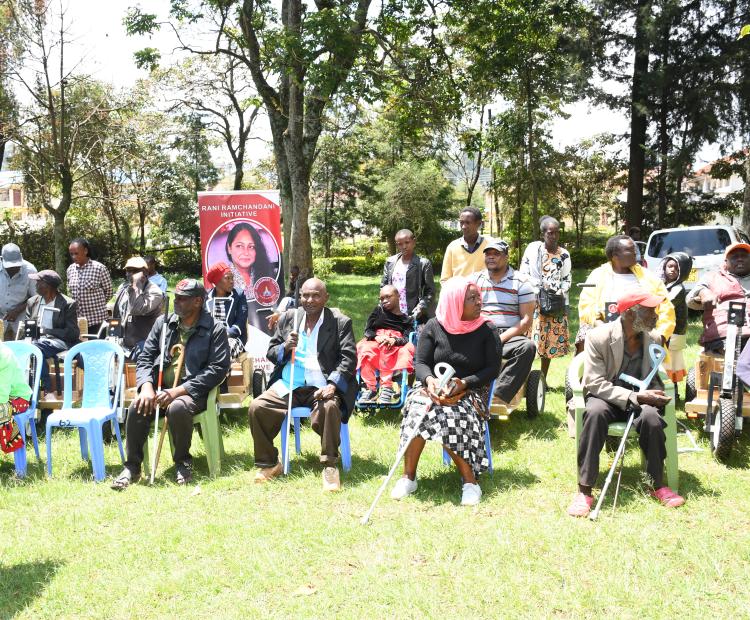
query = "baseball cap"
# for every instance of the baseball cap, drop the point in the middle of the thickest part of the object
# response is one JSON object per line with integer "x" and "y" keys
{"x": 736, "y": 246}
{"x": 638, "y": 298}
{"x": 497, "y": 244}
{"x": 136, "y": 262}
{"x": 190, "y": 287}
{"x": 11, "y": 254}
{"x": 48, "y": 276}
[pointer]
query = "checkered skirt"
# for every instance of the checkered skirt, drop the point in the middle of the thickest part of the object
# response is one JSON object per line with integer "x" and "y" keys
{"x": 460, "y": 427}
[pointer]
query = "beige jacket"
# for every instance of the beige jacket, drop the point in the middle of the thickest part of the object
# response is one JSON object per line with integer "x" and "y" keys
{"x": 602, "y": 358}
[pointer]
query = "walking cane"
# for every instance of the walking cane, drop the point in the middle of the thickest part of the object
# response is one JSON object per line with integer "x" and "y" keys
{"x": 657, "y": 354}
{"x": 444, "y": 372}
{"x": 159, "y": 380}
{"x": 179, "y": 351}
{"x": 300, "y": 318}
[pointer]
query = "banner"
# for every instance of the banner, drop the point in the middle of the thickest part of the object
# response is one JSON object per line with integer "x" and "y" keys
{"x": 243, "y": 229}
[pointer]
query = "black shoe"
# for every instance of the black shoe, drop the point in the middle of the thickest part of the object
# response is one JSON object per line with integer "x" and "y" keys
{"x": 184, "y": 473}
{"x": 125, "y": 479}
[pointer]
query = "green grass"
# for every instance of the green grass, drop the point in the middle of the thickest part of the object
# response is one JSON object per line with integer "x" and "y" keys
{"x": 76, "y": 549}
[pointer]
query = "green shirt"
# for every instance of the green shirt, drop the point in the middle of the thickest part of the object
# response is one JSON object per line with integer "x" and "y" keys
{"x": 12, "y": 382}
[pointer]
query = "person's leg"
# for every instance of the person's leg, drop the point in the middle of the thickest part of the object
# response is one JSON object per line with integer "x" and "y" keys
{"x": 545, "y": 366}
{"x": 367, "y": 372}
{"x": 653, "y": 443}
{"x": 598, "y": 416}
{"x": 325, "y": 420}
{"x": 467, "y": 473}
{"x": 411, "y": 457}
{"x": 518, "y": 354}
{"x": 266, "y": 413}
{"x": 180, "y": 414}
{"x": 136, "y": 433}
{"x": 49, "y": 351}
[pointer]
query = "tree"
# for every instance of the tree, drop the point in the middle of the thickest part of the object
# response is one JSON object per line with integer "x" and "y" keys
{"x": 215, "y": 87}
{"x": 9, "y": 41}
{"x": 63, "y": 120}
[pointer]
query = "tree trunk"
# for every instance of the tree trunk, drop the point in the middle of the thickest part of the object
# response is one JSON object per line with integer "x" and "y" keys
{"x": 61, "y": 243}
{"x": 239, "y": 173}
{"x": 638, "y": 120}
{"x": 746, "y": 197}
{"x": 532, "y": 170}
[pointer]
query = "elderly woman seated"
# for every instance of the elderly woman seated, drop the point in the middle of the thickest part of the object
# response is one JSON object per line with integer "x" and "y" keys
{"x": 456, "y": 414}
{"x": 228, "y": 306}
{"x": 385, "y": 347}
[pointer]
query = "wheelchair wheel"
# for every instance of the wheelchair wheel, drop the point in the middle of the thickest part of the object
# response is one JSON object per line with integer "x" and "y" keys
{"x": 722, "y": 434}
{"x": 690, "y": 389}
{"x": 259, "y": 382}
{"x": 568, "y": 389}
{"x": 536, "y": 391}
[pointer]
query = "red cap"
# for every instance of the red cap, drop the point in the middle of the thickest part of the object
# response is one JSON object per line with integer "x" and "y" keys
{"x": 638, "y": 298}
{"x": 216, "y": 272}
{"x": 736, "y": 246}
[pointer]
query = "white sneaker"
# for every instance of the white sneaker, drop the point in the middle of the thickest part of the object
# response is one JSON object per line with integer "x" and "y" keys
{"x": 471, "y": 494}
{"x": 403, "y": 487}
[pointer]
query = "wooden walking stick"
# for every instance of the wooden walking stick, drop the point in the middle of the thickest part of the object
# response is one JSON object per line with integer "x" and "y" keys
{"x": 160, "y": 381}
{"x": 179, "y": 351}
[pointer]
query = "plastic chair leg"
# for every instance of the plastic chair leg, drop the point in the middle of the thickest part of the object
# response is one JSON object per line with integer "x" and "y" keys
{"x": 211, "y": 438}
{"x": 94, "y": 432}
{"x": 488, "y": 445}
{"x": 282, "y": 452}
{"x": 48, "y": 434}
{"x": 346, "y": 450}
{"x": 84, "y": 445}
{"x": 119, "y": 440}
{"x": 297, "y": 441}
{"x": 20, "y": 461}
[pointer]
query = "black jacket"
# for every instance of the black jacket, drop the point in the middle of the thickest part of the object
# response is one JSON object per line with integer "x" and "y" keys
{"x": 237, "y": 319}
{"x": 420, "y": 284}
{"x": 64, "y": 323}
{"x": 207, "y": 358}
{"x": 337, "y": 354}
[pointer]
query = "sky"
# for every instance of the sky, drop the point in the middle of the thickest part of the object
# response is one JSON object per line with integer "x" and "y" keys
{"x": 100, "y": 39}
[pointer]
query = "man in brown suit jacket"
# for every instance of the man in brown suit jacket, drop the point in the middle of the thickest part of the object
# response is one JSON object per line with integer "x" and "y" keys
{"x": 612, "y": 349}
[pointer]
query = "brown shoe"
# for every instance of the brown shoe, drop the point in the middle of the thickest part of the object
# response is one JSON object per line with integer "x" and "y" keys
{"x": 331, "y": 481}
{"x": 268, "y": 473}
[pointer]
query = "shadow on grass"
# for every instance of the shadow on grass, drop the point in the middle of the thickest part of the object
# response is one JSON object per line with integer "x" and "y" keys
{"x": 506, "y": 435}
{"x": 385, "y": 417}
{"x": 445, "y": 486}
{"x": 21, "y": 583}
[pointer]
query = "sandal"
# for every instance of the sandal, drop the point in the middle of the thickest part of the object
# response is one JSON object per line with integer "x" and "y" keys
{"x": 667, "y": 497}
{"x": 124, "y": 480}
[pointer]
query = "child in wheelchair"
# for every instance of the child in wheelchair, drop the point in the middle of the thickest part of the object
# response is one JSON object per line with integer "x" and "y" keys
{"x": 385, "y": 348}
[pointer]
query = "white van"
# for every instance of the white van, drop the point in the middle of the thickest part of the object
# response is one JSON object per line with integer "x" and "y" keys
{"x": 706, "y": 244}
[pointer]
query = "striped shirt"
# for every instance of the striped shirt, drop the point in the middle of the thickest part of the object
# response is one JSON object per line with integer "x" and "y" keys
{"x": 91, "y": 286}
{"x": 501, "y": 301}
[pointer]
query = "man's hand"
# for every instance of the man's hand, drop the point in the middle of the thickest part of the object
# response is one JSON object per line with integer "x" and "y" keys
{"x": 708, "y": 299}
{"x": 325, "y": 393}
{"x": 272, "y": 320}
{"x": 145, "y": 401}
{"x": 12, "y": 314}
{"x": 165, "y": 397}
{"x": 291, "y": 341}
{"x": 655, "y": 398}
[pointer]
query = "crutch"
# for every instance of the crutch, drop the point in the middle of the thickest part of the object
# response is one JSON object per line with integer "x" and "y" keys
{"x": 444, "y": 372}
{"x": 657, "y": 354}
{"x": 159, "y": 383}
{"x": 179, "y": 351}
{"x": 300, "y": 317}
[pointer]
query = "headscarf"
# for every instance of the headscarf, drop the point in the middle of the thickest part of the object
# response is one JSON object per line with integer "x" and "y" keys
{"x": 217, "y": 272}
{"x": 451, "y": 306}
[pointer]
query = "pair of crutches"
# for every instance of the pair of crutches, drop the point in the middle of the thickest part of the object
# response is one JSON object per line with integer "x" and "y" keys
{"x": 444, "y": 373}
{"x": 657, "y": 354}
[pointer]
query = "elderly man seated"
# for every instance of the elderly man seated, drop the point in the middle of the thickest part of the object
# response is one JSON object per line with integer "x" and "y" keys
{"x": 16, "y": 288}
{"x": 56, "y": 317}
{"x": 611, "y": 350}
{"x": 712, "y": 292}
{"x": 508, "y": 300}
{"x": 323, "y": 379}
{"x": 138, "y": 303}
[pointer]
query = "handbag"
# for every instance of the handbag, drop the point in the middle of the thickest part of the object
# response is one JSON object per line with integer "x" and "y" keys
{"x": 550, "y": 304}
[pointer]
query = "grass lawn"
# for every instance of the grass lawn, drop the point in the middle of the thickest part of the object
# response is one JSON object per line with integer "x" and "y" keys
{"x": 227, "y": 548}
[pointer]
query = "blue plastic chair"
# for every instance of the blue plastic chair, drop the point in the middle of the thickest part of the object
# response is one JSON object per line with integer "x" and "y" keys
{"x": 304, "y": 412}
{"x": 98, "y": 406}
{"x": 24, "y": 353}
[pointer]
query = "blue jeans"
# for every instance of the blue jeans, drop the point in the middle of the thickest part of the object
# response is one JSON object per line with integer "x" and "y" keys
{"x": 49, "y": 351}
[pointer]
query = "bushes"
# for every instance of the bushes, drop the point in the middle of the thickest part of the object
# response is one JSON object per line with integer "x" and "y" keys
{"x": 588, "y": 258}
{"x": 354, "y": 265}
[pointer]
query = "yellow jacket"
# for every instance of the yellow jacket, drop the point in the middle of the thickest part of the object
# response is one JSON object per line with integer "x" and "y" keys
{"x": 591, "y": 304}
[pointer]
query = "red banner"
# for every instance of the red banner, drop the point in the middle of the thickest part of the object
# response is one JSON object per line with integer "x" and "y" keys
{"x": 243, "y": 229}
